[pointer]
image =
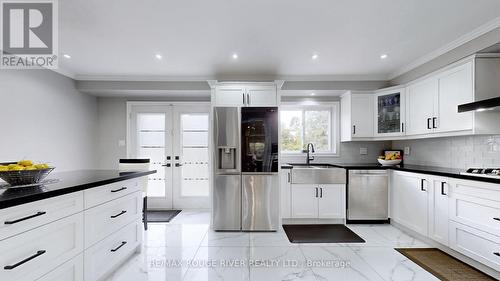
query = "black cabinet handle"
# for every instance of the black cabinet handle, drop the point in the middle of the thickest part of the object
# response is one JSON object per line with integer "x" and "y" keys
{"x": 38, "y": 253}
{"x": 422, "y": 185}
{"x": 117, "y": 215}
{"x": 434, "y": 119}
{"x": 353, "y": 129}
{"x": 321, "y": 192}
{"x": 167, "y": 165}
{"x": 243, "y": 98}
{"x": 118, "y": 248}
{"x": 119, "y": 189}
{"x": 402, "y": 127}
{"x": 289, "y": 177}
{"x": 25, "y": 218}
{"x": 429, "y": 123}
{"x": 442, "y": 188}
{"x": 496, "y": 254}
{"x": 316, "y": 192}
{"x": 497, "y": 219}
{"x": 178, "y": 164}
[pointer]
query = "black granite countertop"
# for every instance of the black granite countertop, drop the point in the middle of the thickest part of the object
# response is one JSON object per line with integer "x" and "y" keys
{"x": 68, "y": 182}
{"x": 436, "y": 171}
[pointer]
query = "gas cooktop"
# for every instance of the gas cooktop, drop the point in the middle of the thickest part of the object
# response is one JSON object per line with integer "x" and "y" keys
{"x": 483, "y": 172}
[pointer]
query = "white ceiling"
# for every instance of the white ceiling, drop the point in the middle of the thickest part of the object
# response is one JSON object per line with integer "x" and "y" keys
{"x": 273, "y": 38}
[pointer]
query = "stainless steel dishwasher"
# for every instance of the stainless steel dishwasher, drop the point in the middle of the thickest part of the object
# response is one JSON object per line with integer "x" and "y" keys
{"x": 367, "y": 196}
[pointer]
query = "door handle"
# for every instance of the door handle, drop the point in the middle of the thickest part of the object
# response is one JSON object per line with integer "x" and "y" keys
{"x": 442, "y": 188}
{"x": 320, "y": 192}
{"x": 289, "y": 177}
{"x": 316, "y": 192}
{"x": 38, "y": 253}
{"x": 117, "y": 215}
{"x": 243, "y": 98}
{"x": 422, "y": 185}
{"x": 434, "y": 119}
{"x": 429, "y": 123}
{"x": 121, "y": 245}
{"x": 402, "y": 127}
{"x": 25, "y": 218}
{"x": 353, "y": 129}
{"x": 248, "y": 99}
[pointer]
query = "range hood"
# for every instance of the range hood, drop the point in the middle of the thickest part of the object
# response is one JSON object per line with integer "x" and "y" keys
{"x": 482, "y": 105}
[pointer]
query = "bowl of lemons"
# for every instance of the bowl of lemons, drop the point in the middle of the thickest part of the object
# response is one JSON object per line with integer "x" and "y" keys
{"x": 24, "y": 172}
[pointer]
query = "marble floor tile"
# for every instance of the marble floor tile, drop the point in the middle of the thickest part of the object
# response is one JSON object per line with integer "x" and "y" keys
{"x": 174, "y": 235}
{"x": 270, "y": 239}
{"x": 192, "y": 217}
{"x": 384, "y": 235}
{"x": 227, "y": 239}
{"x": 391, "y": 265}
{"x": 338, "y": 263}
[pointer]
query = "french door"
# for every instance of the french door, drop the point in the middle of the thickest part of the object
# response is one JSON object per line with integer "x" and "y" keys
{"x": 175, "y": 138}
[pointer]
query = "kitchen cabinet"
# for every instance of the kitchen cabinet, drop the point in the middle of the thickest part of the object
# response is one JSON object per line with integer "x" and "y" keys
{"x": 389, "y": 119}
{"x": 432, "y": 103}
{"x": 409, "y": 200}
{"x": 326, "y": 201}
{"x": 356, "y": 116}
{"x": 245, "y": 94}
{"x": 438, "y": 209}
{"x": 285, "y": 193}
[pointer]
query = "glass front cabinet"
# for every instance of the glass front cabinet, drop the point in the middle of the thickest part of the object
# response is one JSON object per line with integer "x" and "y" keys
{"x": 390, "y": 112}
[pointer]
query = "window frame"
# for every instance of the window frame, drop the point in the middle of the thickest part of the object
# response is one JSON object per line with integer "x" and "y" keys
{"x": 334, "y": 108}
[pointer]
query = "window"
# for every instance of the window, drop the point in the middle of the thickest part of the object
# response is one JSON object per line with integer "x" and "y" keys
{"x": 309, "y": 124}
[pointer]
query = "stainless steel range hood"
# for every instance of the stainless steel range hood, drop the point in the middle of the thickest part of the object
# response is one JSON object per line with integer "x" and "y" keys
{"x": 482, "y": 105}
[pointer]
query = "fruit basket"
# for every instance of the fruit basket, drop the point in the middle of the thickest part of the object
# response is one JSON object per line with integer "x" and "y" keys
{"x": 384, "y": 162}
{"x": 17, "y": 174}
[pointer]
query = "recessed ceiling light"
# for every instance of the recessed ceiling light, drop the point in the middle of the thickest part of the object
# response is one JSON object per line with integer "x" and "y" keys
{"x": 312, "y": 94}
{"x": 315, "y": 56}
{"x": 158, "y": 56}
{"x": 235, "y": 56}
{"x": 67, "y": 56}
{"x": 383, "y": 56}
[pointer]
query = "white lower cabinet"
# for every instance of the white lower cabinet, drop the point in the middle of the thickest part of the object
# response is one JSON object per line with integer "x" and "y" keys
{"x": 102, "y": 258}
{"x": 438, "y": 209}
{"x": 34, "y": 253}
{"x": 409, "y": 200}
{"x": 71, "y": 270}
{"x": 318, "y": 201}
{"x": 285, "y": 193}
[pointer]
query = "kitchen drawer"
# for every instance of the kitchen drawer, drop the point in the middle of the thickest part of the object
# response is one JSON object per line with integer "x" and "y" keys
{"x": 485, "y": 190}
{"x": 105, "y": 256}
{"x": 71, "y": 270}
{"x": 109, "y": 217}
{"x": 480, "y": 213}
{"x": 18, "y": 219}
{"x": 98, "y": 195}
{"x": 480, "y": 246}
{"x": 32, "y": 254}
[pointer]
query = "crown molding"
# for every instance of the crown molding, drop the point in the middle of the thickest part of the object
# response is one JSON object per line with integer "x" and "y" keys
{"x": 483, "y": 29}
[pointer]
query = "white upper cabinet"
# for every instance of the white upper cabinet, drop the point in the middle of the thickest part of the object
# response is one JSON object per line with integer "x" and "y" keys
{"x": 356, "y": 116}
{"x": 242, "y": 94}
{"x": 455, "y": 88}
{"x": 420, "y": 104}
{"x": 389, "y": 119}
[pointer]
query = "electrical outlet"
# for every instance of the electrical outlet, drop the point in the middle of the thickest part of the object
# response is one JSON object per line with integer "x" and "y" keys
{"x": 363, "y": 151}
{"x": 407, "y": 150}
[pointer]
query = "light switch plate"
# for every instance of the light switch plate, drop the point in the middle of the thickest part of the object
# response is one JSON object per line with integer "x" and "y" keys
{"x": 363, "y": 151}
{"x": 407, "y": 150}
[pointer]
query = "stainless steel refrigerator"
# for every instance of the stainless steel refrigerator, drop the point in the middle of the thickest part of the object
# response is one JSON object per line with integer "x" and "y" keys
{"x": 246, "y": 181}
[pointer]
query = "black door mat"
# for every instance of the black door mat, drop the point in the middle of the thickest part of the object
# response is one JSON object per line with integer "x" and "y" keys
{"x": 442, "y": 265}
{"x": 321, "y": 233}
{"x": 162, "y": 216}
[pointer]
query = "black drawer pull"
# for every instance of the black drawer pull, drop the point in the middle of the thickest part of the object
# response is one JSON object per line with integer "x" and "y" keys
{"x": 121, "y": 245}
{"x": 117, "y": 215}
{"x": 10, "y": 267}
{"x": 496, "y": 254}
{"x": 497, "y": 219}
{"x": 25, "y": 218}
{"x": 119, "y": 189}
{"x": 422, "y": 185}
{"x": 442, "y": 188}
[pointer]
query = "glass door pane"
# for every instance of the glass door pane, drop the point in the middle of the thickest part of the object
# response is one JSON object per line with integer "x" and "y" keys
{"x": 389, "y": 113}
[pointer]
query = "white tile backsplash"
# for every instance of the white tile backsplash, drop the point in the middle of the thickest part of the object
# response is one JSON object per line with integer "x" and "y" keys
{"x": 453, "y": 152}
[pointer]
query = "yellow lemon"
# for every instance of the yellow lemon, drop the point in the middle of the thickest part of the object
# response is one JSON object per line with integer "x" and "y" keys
{"x": 41, "y": 166}
{"x": 17, "y": 168}
{"x": 25, "y": 163}
{"x": 29, "y": 168}
{"x": 3, "y": 168}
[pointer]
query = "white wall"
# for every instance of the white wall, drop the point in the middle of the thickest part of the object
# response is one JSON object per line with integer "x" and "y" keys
{"x": 453, "y": 152}
{"x": 44, "y": 118}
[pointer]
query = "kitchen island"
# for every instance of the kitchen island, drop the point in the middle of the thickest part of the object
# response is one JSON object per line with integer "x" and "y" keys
{"x": 80, "y": 227}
